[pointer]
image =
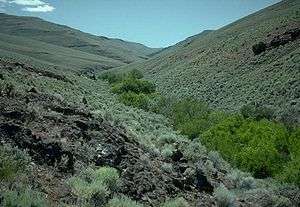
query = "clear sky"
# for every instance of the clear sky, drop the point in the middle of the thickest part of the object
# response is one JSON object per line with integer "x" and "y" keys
{"x": 155, "y": 23}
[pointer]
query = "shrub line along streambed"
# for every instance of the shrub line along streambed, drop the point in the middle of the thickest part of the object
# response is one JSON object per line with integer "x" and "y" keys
{"x": 251, "y": 140}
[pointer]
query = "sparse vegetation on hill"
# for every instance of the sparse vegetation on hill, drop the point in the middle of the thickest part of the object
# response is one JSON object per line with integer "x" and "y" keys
{"x": 221, "y": 69}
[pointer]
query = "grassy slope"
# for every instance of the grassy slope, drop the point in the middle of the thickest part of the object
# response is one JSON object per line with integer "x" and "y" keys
{"x": 35, "y": 51}
{"x": 181, "y": 44}
{"x": 112, "y": 52}
{"x": 221, "y": 69}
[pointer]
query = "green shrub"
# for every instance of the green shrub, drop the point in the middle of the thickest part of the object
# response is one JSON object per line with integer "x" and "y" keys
{"x": 264, "y": 142}
{"x": 87, "y": 190}
{"x": 177, "y": 202}
{"x": 194, "y": 151}
{"x": 294, "y": 143}
{"x": 222, "y": 137}
{"x": 23, "y": 198}
{"x": 167, "y": 167}
{"x": 291, "y": 170}
{"x": 189, "y": 109}
{"x": 12, "y": 163}
{"x": 224, "y": 197}
{"x": 136, "y": 74}
{"x": 136, "y": 100}
{"x": 162, "y": 105}
{"x": 166, "y": 139}
{"x": 123, "y": 201}
{"x": 111, "y": 77}
{"x": 167, "y": 151}
{"x": 259, "y": 48}
{"x": 254, "y": 146}
{"x": 133, "y": 85}
{"x": 218, "y": 161}
{"x": 108, "y": 176}
{"x": 241, "y": 180}
{"x": 192, "y": 117}
{"x": 257, "y": 112}
{"x": 94, "y": 186}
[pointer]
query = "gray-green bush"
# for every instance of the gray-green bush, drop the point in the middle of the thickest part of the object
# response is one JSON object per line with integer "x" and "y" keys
{"x": 23, "y": 198}
{"x": 12, "y": 163}
{"x": 224, "y": 197}
{"x": 94, "y": 186}
{"x": 123, "y": 201}
{"x": 176, "y": 202}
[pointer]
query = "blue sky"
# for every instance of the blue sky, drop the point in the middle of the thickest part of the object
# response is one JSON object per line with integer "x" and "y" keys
{"x": 155, "y": 23}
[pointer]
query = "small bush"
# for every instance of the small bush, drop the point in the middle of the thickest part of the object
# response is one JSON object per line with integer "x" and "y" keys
{"x": 166, "y": 139}
{"x": 217, "y": 160}
{"x": 94, "y": 186}
{"x": 188, "y": 109}
{"x": 167, "y": 151}
{"x": 108, "y": 176}
{"x": 247, "y": 183}
{"x": 192, "y": 117}
{"x": 133, "y": 85}
{"x": 259, "y": 48}
{"x": 136, "y": 74}
{"x": 12, "y": 163}
{"x": 290, "y": 117}
{"x": 111, "y": 77}
{"x": 88, "y": 191}
{"x": 167, "y": 167}
{"x": 257, "y": 112}
{"x": 224, "y": 197}
{"x": 140, "y": 101}
{"x": 162, "y": 105}
{"x": 23, "y": 198}
{"x": 177, "y": 202}
{"x": 123, "y": 201}
{"x": 241, "y": 180}
{"x": 194, "y": 151}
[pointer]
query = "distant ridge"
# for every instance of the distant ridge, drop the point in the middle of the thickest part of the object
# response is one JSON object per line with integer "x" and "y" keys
{"x": 116, "y": 51}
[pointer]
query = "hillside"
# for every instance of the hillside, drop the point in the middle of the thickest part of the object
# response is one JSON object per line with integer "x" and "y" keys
{"x": 128, "y": 137}
{"x": 97, "y": 52}
{"x": 61, "y": 58}
{"x": 221, "y": 68}
{"x": 181, "y": 44}
{"x": 58, "y": 131}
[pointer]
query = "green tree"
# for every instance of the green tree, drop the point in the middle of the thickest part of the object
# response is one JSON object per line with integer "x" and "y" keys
{"x": 255, "y": 146}
{"x": 133, "y": 85}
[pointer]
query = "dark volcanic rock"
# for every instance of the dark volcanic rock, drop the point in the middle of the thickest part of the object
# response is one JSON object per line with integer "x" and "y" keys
{"x": 278, "y": 40}
{"x": 63, "y": 139}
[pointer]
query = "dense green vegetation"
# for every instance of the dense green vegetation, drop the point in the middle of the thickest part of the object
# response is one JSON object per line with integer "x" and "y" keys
{"x": 262, "y": 147}
{"x": 132, "y": 90}
{"x": 250, "y": 140}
